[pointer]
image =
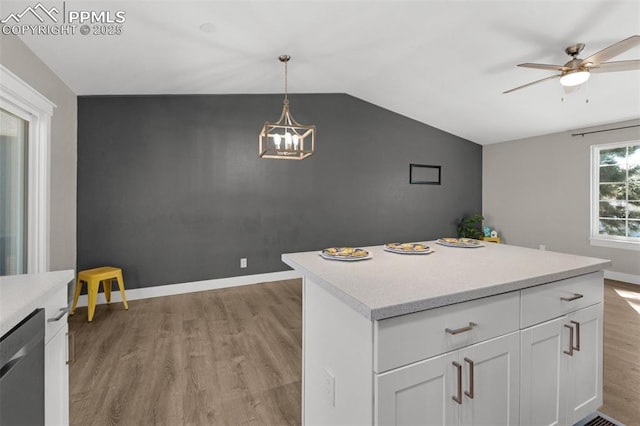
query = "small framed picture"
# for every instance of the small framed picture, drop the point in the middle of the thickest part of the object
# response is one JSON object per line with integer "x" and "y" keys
{"x": 424, "y": 174}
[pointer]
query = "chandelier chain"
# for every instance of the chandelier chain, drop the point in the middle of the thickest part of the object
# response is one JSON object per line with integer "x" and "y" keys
{"x": 286, "y": 97}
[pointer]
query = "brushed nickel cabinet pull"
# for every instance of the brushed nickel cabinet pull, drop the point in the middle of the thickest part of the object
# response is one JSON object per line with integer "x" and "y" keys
{"x": 71, "y": 348}
{"x": 469, "y": 393}
{"x": 61, "y": 313}
{"x": 570, "y": 351}
{"x": 575, "y": 296}
{"x": 458, "y": 398}
{"x": 577, "y": 346}
{"x": 461, "y": 329}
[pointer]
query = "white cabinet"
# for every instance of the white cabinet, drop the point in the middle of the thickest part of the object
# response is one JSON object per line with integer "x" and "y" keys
{"x": 497, "y": 360}
{"x": 56, "y": 393}
{"x": 409, "y": 338}
{"x": 420, "y": 393}
{"x": 541, "y": 394}
{"x": 475, "y": 385}
{"x": 584, "y": 367}
{"x": 561, "y": 379}
{"x": 56, "y": 369}
{"x": 496, "y": 382}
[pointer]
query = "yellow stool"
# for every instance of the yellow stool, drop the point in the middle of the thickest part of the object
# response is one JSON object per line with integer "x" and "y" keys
{"x": 93, "y": 278}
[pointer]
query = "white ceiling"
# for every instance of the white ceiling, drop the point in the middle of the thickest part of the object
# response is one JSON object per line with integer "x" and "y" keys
{"x": 444, "y": 63}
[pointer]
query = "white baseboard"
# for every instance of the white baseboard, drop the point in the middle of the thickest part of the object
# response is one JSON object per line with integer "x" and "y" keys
{"x": 620, "y": 276}
{"x": 190, "y": 287}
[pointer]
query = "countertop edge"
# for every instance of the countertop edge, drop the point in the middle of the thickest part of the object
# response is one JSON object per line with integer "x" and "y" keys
{"x": 385, "y": 312}
{"x": 35, "y": 299}
{"x": 351, "y": 301}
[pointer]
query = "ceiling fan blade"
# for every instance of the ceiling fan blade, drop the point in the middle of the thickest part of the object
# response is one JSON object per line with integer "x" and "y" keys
{"x": 531, "y": 84}
{"x": 617, "y": 66}
{"x": 545, "y": 67}
{"x": 612, "y": 51}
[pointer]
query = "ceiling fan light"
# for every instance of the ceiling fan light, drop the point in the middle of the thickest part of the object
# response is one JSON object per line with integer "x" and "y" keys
{"x": 574, "y": 78}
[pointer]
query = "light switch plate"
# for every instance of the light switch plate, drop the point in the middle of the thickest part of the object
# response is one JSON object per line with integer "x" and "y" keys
{"x": 329, "y": 388}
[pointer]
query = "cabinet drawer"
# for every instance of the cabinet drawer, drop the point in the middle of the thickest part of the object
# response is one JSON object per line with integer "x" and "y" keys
{"x": 55, "y": 312}
{"x": 552, "y": 300}
{"x": 409, "y": 338}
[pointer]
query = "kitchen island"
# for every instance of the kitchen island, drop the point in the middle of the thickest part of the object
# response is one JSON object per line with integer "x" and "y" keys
{"x": 490, "y": 335}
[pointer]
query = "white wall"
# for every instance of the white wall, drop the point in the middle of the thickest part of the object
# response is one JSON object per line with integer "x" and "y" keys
{"x": 536, "y": 191}
{"x": 20, "y": 60}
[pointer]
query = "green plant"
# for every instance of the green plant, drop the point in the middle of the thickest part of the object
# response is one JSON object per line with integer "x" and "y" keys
{"x": 471, "y": 227}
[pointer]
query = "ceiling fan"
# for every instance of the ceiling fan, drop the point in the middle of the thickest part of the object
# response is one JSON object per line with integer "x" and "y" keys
{"x": 577, "y": 71}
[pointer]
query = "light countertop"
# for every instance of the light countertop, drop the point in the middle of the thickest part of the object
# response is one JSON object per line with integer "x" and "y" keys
{"x": 390, "y": 284}
{"x": 22, "y": 294}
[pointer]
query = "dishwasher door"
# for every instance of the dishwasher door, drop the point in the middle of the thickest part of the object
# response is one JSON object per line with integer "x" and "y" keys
{"x": 22, "y": 373}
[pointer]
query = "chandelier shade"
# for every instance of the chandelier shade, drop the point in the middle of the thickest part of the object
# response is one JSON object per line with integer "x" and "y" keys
{"x": 286, "y": 139}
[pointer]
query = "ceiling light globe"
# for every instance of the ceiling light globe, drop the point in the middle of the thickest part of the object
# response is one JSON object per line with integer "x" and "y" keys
{"x": 574, "y": 78}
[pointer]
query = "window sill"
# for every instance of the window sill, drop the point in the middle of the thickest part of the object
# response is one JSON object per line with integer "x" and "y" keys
{"x": 624, "y": 245}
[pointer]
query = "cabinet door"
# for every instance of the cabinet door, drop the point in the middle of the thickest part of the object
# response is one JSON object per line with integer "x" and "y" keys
{"x": 56, "y": 379}
{"x": 491, "y": 382}
{"x": 584, "y": 378}
{"x": 419, "y": 394}
{"x": 542, "y": 399}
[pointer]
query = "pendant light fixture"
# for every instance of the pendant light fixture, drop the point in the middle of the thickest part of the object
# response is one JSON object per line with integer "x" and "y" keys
{"x": 286, "y": 139}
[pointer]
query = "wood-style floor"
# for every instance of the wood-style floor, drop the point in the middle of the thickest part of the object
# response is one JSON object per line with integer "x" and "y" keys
{"x": 233, "y": 357}
{"x": 622, "y": 352}
{"x": 221, "y": 357}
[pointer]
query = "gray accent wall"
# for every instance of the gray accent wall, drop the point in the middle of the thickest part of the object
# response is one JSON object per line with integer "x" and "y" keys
{"x": 171, "y": 189}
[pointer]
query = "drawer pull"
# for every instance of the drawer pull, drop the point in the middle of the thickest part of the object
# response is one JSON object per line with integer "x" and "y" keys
{"x": 575, "y": 296}
{"x": 469, "y": 393}
{"x": 63, "y": 312}
{"x": 458, "y": 398}
{"x": 461, "y": 329}
{"x": 577, "y": 346}
{"x": 570, "y": 351}
{"x": 71, "y": 348}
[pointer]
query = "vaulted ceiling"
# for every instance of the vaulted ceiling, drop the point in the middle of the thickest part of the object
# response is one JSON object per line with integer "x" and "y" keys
{"x": 444, "y": 63}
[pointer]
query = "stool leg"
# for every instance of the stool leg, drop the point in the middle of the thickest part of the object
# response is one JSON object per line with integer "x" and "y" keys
{"x": 121, "y": 286}
{"x": 106, "y": 284}
{"x": 76, "y": 296}
{"x": 92, "y": 291}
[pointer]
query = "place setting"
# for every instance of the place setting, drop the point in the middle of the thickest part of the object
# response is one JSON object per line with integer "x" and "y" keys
{"x": 408, "y": 248}
{"x": 460, "y": 242}
{"x": 348, "y": 254}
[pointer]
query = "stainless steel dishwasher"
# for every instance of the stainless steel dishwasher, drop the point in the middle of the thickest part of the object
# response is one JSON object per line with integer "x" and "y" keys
{"x": 22, "y": 373}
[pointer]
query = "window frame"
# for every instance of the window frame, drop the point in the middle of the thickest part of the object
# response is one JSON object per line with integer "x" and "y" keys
{"x": 20, "y": 99}
{"x": 595, "y": 238}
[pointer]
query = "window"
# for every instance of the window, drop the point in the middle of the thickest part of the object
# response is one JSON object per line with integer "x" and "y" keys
{"x": 615, "y": 199}
{"x": 13, "y": 193}
{"x": 25, "y": 122}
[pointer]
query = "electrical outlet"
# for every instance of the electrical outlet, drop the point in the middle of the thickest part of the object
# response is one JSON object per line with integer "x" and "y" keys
{"x": 329, "y": 388}
{"x": 243, "y": 262}
{"x": 543, "y": 247}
